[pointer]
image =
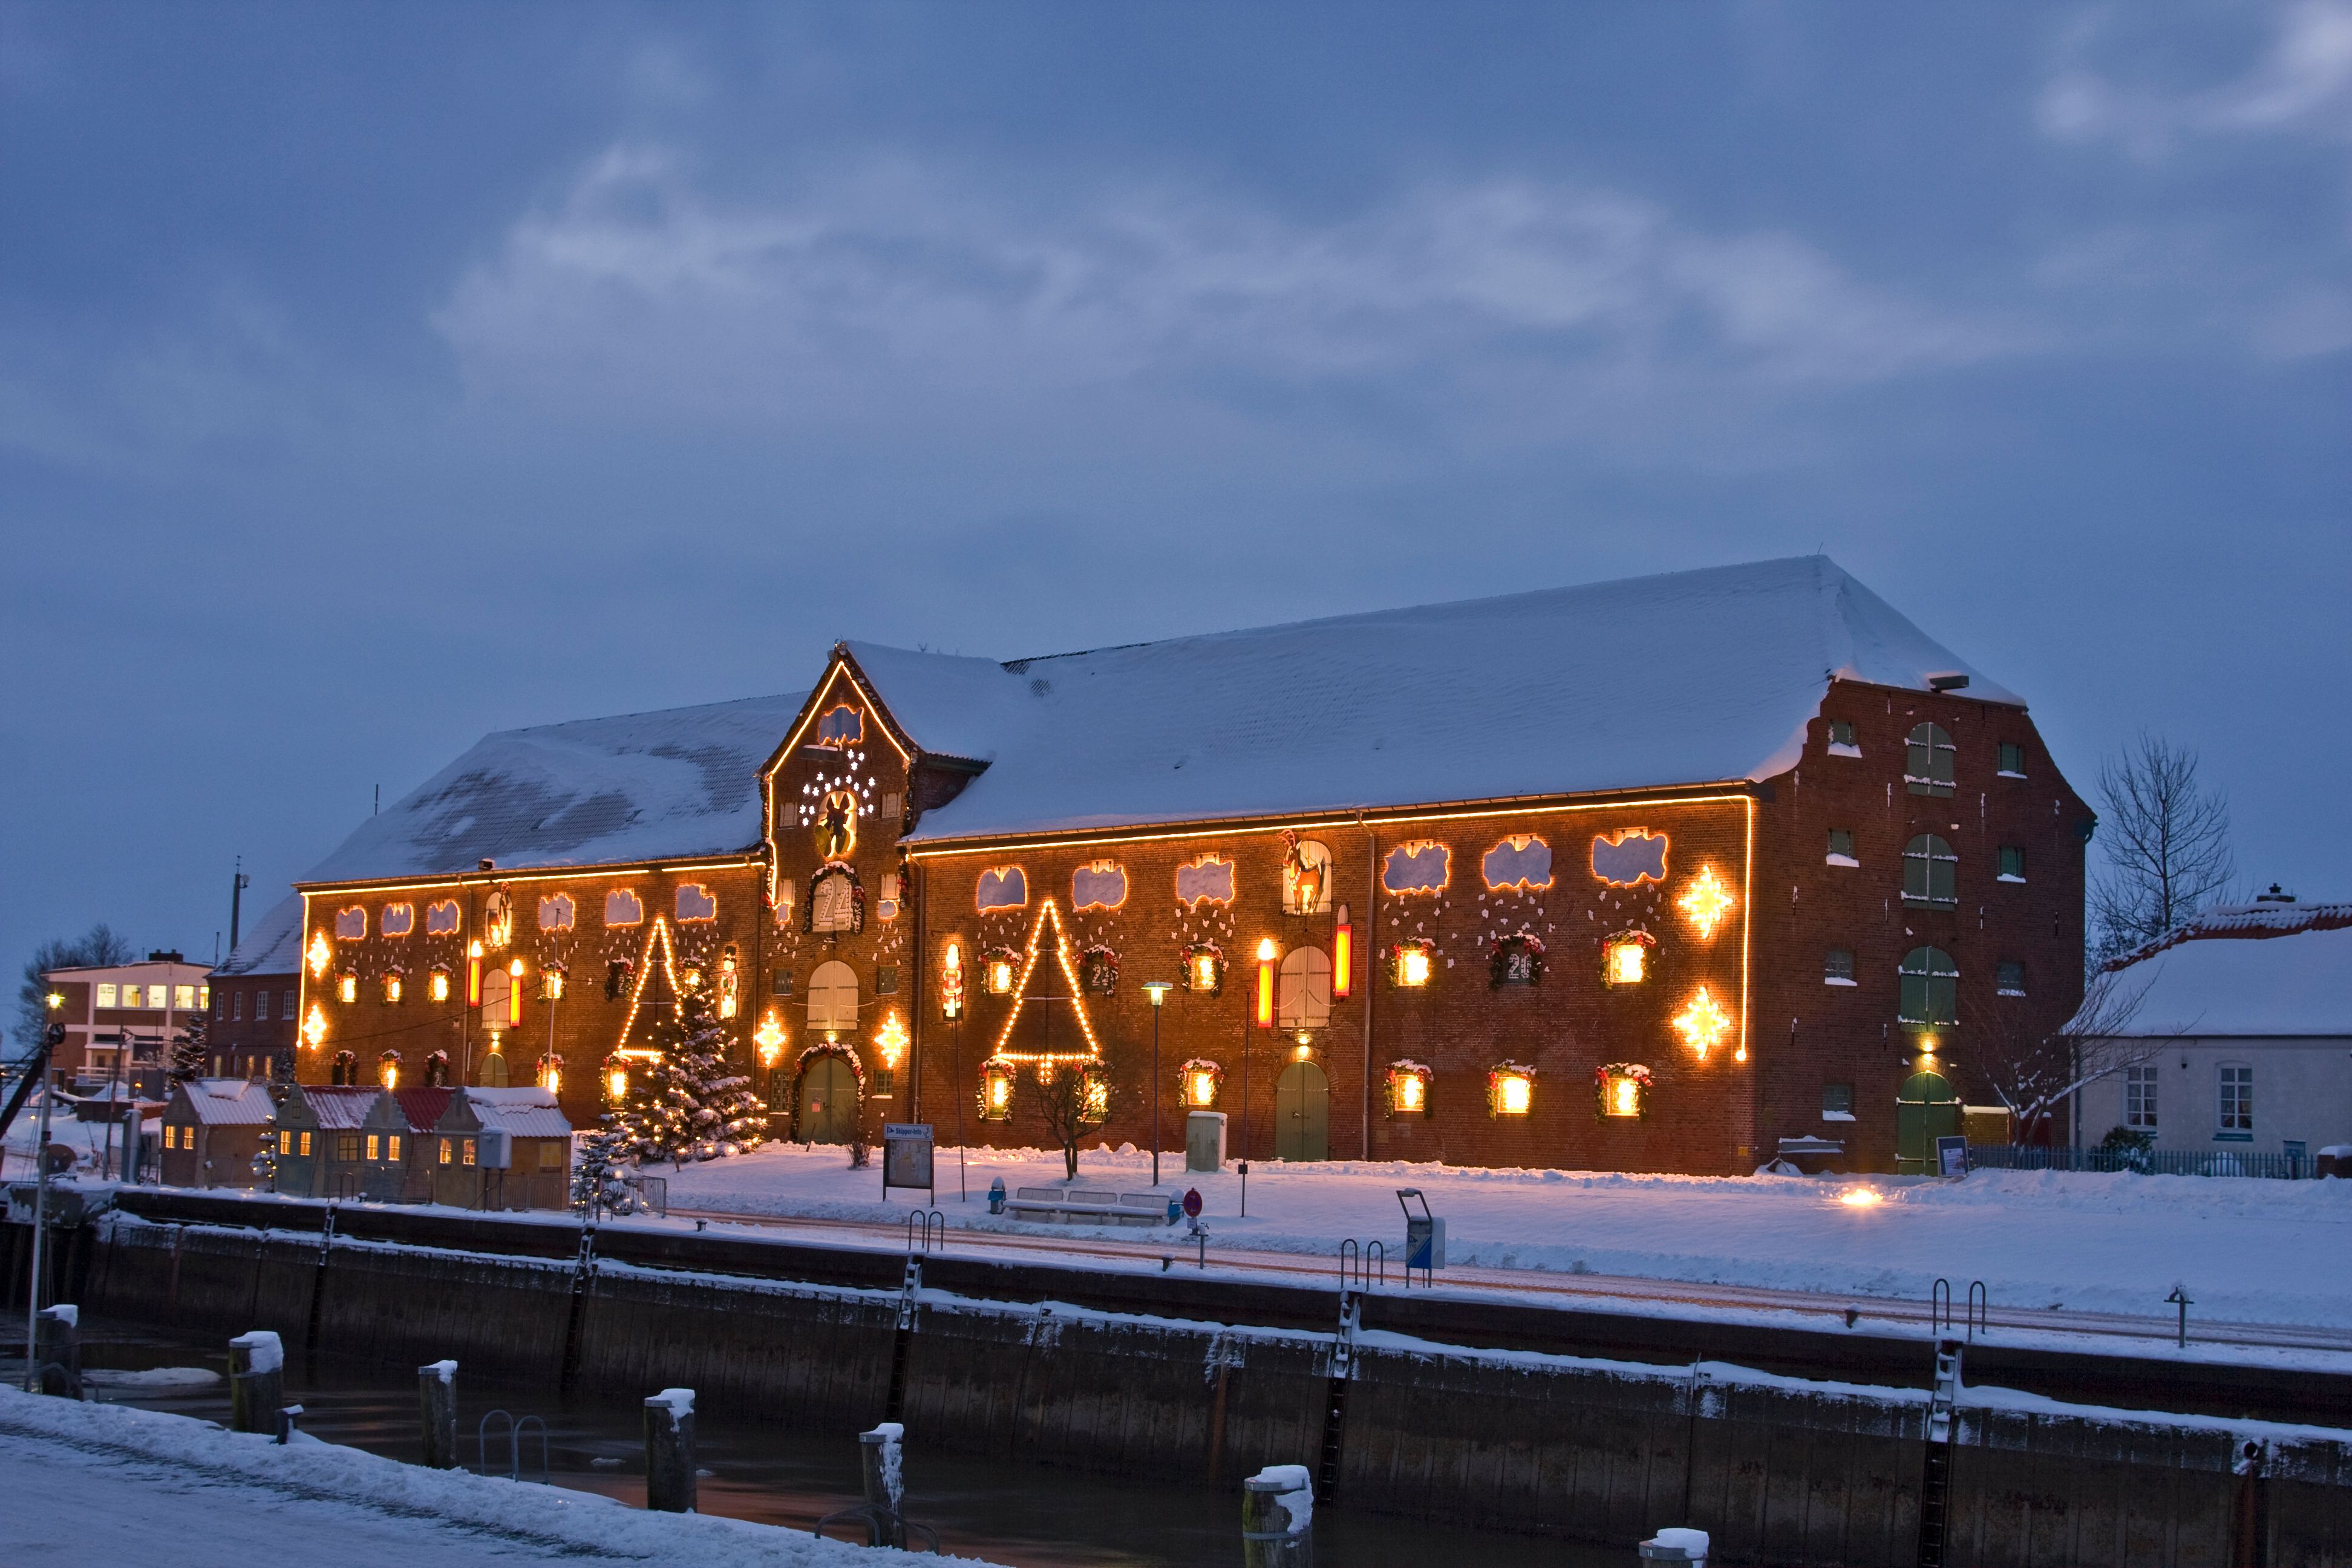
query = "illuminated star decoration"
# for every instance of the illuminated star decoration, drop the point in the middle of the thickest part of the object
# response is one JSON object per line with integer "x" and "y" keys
{"x": 320, "y": 953}
{"x": 1706, "y": 901}
{"x": 1703, "y": 1023}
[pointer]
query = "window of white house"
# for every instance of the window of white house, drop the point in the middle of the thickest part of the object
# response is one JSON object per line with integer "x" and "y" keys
{"x": 1837, "y": 1102}
{"x": 1842, "y": 847}
{"x": 2008, "y": 977}
{"x": 2236, "y": 1097}
{"x": 2012, "y": 761}
{"x": 1931, "y": 873}
{"x": 2012, "y": 863}
{"x": 1837, "y": 967}
{"x": 1931, "y": 988}
{"x": 1929, "y": 762}
{"x": 108, "y": 992}
{"x": 2139, "y": 1097}
{"x": 1842, "y": 741}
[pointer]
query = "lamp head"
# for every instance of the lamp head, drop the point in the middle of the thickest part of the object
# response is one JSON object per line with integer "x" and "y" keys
{"x": 1266, "y": 950}
{"x": 1158, "y": 990}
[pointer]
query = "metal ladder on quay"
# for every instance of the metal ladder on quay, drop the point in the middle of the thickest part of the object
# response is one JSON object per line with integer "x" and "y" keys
{"x": 1335, "y": 1398}
{"x": 1936, "y": 1482}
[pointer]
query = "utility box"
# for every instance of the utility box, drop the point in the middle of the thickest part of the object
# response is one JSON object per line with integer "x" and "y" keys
{"x": 1424, "y": 1233}
{"x": 494, "y": 1149}
{"x": 1204, "y": 1140}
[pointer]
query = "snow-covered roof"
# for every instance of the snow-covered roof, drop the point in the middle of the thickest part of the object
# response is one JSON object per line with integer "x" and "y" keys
{"x": 1686, "y": 678}
{"x": 337, "y": 1107}
{"x": 272, "y": 945}
{"x": 641, "y": 787}
{"x": 2222, "y": 986}
{"x": 227, "y": 1102}
{"x": 527, "y": 1113}
{"x": 2267, "y": 918}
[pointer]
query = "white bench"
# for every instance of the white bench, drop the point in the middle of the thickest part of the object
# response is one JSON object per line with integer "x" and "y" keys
{"x": 1081, "y": 1205}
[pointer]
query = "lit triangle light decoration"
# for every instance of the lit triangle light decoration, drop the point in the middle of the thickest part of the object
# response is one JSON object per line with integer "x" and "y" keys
{"x": 656, "y": 936}
{"x": 1707, "y": 901}
{"x": 1048, "y": 914}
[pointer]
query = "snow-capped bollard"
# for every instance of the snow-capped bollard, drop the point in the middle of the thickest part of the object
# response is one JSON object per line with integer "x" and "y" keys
{"x": 1677, "y": 1544}
{"x": 289, "y": 1419}
{"x": 883, "y": 1454}
{"x": 670, "y": 1452}
{"x": 57, "y": 1350}
{"x": 256, "y": 1381}
{"x": 437, "y": 1409}
{"x": 1278, "y": 1518}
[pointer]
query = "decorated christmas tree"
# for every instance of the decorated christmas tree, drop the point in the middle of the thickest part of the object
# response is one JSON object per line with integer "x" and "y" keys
{"x": 597, "y": 1170}
{"x": 728, "y": 1118}
{"x": 188, "y": 1059}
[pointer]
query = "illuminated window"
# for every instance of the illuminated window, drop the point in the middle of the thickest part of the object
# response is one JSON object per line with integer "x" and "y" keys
{"x": 1303, "y": 996}
{"x": 1511, "y": 1090}
{"x": 466, "y": 1151}
{"x": 448, "y": 1149}
{"x": 1625, "y": 958}
{"x": 1931, "y": 989}
{"x": 304, "y": 1145}
{"x": 1929, "y": 762}
{"x": 392, "y": 1147}
{"x": 347, "y": 987}
{"x": 185, "y": 996}
{"x": 1197, "y": 1083}
{"x": 1408, "y": 1089}
{"x": 1204, "y": 968}
{"x": 108, "y": 992}
{"x": 1622, "y": 1089}
{"x": 996, "y": 1091}
{"x": 372, "y": 1141}
{"x": 551, "y": 1155}
{"x": 1931, "y": 873}
{"x": 1306, "y": 876}
{"x": 285, "y": 1142}
{"x": 438, "y": 986}
{"x": 1410, "y": 963}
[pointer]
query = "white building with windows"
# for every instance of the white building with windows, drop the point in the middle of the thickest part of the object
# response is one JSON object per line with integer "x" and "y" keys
{"x": 2241, "y": 1036}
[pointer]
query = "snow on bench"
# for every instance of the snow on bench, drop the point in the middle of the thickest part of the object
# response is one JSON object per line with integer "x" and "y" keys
{"x": 1080, "y": 1205}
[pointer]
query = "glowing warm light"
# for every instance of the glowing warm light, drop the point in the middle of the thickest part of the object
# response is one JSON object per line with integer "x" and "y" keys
{"x": 1201, "y": 1088}
{"x": 1302, "y": 1050}
{"x": 551, "y": 983}
{"x": 1097, "y": 1097}
{"x": 1624, "y": 1097}
{"x": 891, "y": 1040}
{"x": 347, "y": 987}
{"x": 320, "y": 954}
{"x": 952, "y": 982}
{"x": 1628, "y": 962}
{"x": 1343, "y": 955}
{"x": 1410, "y": 1092}
{"x": 1707, "y": 901}
{"x": 1049, "y": 913}
{"x": 474, "y": 974}
{"x": 1514, "y": 1093}
{"x": 1703, "y": 1023}
{"x": 1265, "y": 952}
{"x": 437, "y": 985}
{"x": 616, "y": 1084}
{"x": 314, "y": 1028}
{"x": 729, "y": 983}
{"x": 1204, "y": 972}
{"x": 551, "y": 1075}
{"x": 996, "y": 1091}
{"x": 999, "y": 976}
{"x": 389, "y": 1071}
{"x": 770, "y": 1037}
{"x": 391, "y": 988}
{"x": 1927, "y": 1044}
{"x": 55, "y": 999}
{"x": 657, "y": 938}
{"x": 1158, "y": 991}
{"x": 1860, "y": 1198}
{"x": 1412, "y": 965}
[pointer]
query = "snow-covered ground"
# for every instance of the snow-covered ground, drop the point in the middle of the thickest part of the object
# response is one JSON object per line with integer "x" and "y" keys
{"x": 105, "y": 1483}
{"x": 2247, "y": 1250}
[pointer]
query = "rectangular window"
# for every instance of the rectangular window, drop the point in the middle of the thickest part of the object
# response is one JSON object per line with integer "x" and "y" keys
{"x": 783, "y": 983}
{"x": 392, "y": 1148}
{"x": 171, "y": 1136}
{"x": 304, "y": 1149}
{"x": 445, "y": 1150}
{"x": 1842, "y": 734}
{"x": 203, "y": 996}
{"x": 374, "y": 1145}
{"x": 2139, "y": 1097}
{"x": 551, "y": 1155}
{"x": 286, "y": 1142}
{"x": 466, "y": 1151}
{"x": 2012, "y": 863}
{"x": 237, "y": 1007}
{"x": 2012, "y": 761}
{"x": 347, "y": 1145}
{"x": 2237, "y": 1099}
{"x": 2008, "y": 977}
{"x": 183, "y": 996}
{"x": 1842, "y": 847}
{"x": 885, "y": 980}
{"x": 108, "y": 992}
{"x": 1837, "y": 1102}
{"x": 889, "y": 806}
{"x": 1837, "y": 967}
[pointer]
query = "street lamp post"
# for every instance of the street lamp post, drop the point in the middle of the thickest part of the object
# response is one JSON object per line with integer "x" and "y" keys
{"x": 1158, "y": 991}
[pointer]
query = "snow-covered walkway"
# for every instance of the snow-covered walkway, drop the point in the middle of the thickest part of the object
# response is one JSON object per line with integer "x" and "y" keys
{"x": 103, "y": 1483}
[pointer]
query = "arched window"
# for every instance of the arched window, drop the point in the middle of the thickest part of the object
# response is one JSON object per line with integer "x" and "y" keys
{"x": 1931, "y": 988}
{"x": 494, "y": 1070}
{"x": 1303, "y": 996}
{"x": 832, "y": 997}
{"x": 1927, "y": 762}
{"x": 1931, "y": 873}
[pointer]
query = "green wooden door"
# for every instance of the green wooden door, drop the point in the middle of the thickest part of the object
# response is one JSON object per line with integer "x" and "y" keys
{"x": 1925, "y": 1108}
{"x": 828, "y": 1101}
{"x": 1302, "y": 1113}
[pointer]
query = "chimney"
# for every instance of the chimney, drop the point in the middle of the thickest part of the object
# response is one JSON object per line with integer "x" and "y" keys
{"x": 2277, "y": 895}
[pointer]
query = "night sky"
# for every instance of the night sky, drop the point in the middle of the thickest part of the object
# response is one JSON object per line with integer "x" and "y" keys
{"x": 375, "y": 376}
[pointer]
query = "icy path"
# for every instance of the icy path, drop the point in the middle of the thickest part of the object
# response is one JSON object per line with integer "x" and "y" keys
{"x": 99, "y": 1483}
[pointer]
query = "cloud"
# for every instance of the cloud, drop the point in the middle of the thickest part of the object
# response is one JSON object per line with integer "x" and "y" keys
{"x": 2302, "y": 84}
{"x": 901, "y": 279}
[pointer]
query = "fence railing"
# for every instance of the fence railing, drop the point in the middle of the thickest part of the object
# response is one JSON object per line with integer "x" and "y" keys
{"x": 2146, "y": 1162}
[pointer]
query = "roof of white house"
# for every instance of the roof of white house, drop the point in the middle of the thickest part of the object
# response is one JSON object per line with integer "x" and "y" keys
{"x": 273, "y": 945}
{"x": 227, "y": 1102}
{"x": 676, "y": 784}
{"x": 1688, "y": 678}
{"x": 527, "y": 1113}
{"x": 2280, "y": 974}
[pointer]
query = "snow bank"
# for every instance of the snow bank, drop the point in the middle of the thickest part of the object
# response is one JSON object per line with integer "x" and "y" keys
{"x": 583, "y": 1523}
{"x": 153, "y": 1377}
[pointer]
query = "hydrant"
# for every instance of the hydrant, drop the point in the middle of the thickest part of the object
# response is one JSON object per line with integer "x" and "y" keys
{"x": 996, "y": 1196}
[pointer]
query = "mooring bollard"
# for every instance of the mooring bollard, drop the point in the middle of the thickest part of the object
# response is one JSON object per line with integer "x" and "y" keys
{"x": 882, "y": 1453}
{"x": 1278, "y": 1518}
{"x": 437, "y": 1408}
{"x": 289, "y": 1415}
{"x": 670, "y": 1452}
{"x": 256, "y": 1381}
{"x": 57, "y": 1350}
{"x": 1677, "y": 1544}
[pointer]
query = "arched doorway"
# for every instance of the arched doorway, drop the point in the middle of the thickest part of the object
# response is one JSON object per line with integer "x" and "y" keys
{"x": 1302, "y": 1113}
{"x": 1926, "y": 1107}
{"x": 828, "y": 1101}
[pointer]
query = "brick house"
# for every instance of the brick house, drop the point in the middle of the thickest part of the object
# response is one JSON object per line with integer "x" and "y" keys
{"x": 256, "y": 994}
{"x": 1646, "y": 875}
{"x": 213, "y": 1128}
{"x": 119, "y": 1019}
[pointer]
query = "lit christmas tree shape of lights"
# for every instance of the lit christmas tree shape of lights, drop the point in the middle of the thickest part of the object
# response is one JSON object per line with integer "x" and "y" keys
{"x": 1703, "y": 1023}
{"x": 1039, "y": 950}
{"x": 1707, "y": 901}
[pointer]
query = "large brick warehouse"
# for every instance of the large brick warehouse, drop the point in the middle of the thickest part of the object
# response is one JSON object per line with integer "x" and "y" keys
{"x": 1649, "y": 875}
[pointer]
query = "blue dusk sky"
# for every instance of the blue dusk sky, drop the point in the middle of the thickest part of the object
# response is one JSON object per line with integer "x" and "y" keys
{"x": 373, "y": 376}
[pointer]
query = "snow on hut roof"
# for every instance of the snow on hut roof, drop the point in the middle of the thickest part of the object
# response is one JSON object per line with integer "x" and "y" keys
{"x": 640, "y": 786}
{"x": 2216, "y": 984}
{"x": 529, "y": 1113}
{"x": 1686, "y": 677}
{"x": 229, "y": 1101}
{"x": 272, "y": 946}
{"x": 338, "y": 1107}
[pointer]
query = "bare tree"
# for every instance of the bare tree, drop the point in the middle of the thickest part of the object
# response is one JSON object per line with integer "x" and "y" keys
{"x": 1073, "y": 1102}
{"x": 100, "y": 944}
{"x": 2165, "y": 840}
{"x": 2035, "y": 1072}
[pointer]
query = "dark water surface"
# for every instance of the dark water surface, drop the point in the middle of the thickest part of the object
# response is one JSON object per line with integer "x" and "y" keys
{"x": 1028, "y": 1515}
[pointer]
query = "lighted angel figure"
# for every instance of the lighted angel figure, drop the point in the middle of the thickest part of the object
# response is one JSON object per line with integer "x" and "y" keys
{"x": 836, "y": 825}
